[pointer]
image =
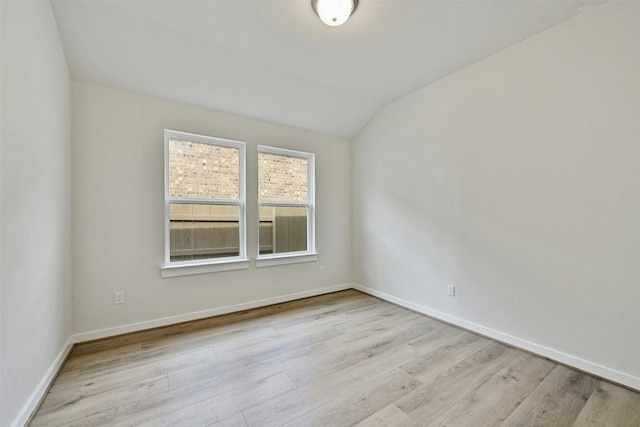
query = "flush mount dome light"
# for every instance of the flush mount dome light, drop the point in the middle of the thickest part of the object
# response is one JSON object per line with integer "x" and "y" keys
{"x": 334, "y": 12}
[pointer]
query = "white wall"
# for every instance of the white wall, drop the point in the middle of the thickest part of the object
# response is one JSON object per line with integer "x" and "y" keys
{"x": 118, "y": 211}
{"x": 36, "y": 204}
{"x": 518, "y": 180}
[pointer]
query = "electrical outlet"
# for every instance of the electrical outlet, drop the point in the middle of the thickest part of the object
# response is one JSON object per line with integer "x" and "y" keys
{"x": 451, "y": 290}
{"x": 118, "y": 297}
{"x": 322, "y": 269}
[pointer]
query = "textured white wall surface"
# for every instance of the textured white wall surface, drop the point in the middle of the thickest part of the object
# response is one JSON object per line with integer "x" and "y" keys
{"x": 118, "y": 214}
{"x": 517, "y": 179}
{"x": 35, "y": 182}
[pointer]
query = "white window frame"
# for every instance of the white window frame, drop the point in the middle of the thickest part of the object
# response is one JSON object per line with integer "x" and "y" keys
{"x": 298, "y": 256}
{"x": 180, "y": 268}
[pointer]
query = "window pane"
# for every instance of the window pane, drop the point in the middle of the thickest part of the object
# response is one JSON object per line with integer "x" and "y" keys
{"x": 203, "y": 171}
{"x": 282, "y": 229}
{"x": 282, "y": 178}
{"x": 203, "y": 231}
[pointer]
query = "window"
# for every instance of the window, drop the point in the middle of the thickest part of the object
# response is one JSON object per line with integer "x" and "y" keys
{"x": 204, "y": 204}
{"x": 286, "y": 206}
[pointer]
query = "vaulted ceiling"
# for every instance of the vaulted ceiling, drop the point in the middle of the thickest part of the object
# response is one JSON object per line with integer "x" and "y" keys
{"x": 274, "y": 60}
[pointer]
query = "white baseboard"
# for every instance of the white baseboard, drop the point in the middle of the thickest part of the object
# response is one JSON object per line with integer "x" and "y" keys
{"x": 38, "y": 394}
{"x": 166, "y": 321}
{"x": 563, "y": 358}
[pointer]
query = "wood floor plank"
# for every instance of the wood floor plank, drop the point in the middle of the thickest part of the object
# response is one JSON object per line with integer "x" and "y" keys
{"x": 64, "y": 414}
{"x": 205, "y": 385}
{"x": 332, "y": 303}
{"x": 142, "y": 359}
{"x": 449, "y": 353}
{"x": 437, "y": 338}
{"x": 556, "y": 401}
{"x": 377, "y": 308}
{"x": 267, "y": 345}
{"x": 338, "y": 359}
{"x": 357, "y": 320}
{"x": 359, "y": 403}
{"x": 248, "y": 367}
{"x": 357, "y": 350}
{"x": 222, "y": 333}
{"x": 428, "y": 401}
{"x": 225, "y": 405}
{"x": 495, "y": 399}
{"x": 389, "y": 416}
{"x": 89, "y": 385}
{"x": 382, "y": 326}
{"x": 334, "y": 313}
{"x": 295, "y": 403}
{"x": 89, "y": 359}
{"x": 98, "y": 419}
{"x": 610, "y": 405}
{"x": 236, "y": 420}
{"x": 66, "y": 378}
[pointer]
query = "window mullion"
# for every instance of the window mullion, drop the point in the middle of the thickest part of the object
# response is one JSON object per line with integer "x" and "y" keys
{"x": 284, "y": 203}
{"x": 186, "y": 201}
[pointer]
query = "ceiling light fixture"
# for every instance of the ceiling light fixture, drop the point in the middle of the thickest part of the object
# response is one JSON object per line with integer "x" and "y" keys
{"x": 334, "y": 12}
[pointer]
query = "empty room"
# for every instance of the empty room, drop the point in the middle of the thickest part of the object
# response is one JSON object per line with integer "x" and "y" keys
{"x": 251, "y": 213}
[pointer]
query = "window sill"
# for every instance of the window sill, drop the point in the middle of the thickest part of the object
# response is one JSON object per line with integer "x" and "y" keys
{"x": 175, "y": 270}
{"x": 291, "y": 258}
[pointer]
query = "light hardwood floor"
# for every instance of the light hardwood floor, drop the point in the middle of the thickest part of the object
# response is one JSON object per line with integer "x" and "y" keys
{"x": 341, "y": 359}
